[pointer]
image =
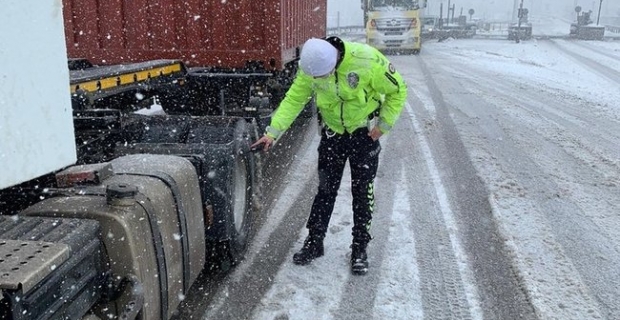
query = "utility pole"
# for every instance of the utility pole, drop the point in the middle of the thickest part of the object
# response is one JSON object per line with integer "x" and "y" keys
{"x": 599, "y": 12}
{"x": 441, "y": 15}
{"x": 338, "y": 21}
{"x": 453, "y": 8}
{"x": 519, "y": 15}
{"x": 515, "y": 8}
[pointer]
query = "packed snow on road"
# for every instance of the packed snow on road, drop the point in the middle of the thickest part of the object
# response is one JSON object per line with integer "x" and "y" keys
{"x": 497, "y": 197}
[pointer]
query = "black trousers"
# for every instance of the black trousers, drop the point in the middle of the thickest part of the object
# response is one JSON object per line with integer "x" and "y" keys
{"x": 363, "y": 156}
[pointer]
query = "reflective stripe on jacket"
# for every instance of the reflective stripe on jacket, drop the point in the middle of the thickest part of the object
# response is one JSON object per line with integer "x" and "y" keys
{"x": 363, "y": 81}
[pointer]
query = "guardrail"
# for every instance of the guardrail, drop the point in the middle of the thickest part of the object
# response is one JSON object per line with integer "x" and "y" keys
{"x": 489, "y": 29}
{"x": 345, "y": 30}
{"x": 612, "y": 29}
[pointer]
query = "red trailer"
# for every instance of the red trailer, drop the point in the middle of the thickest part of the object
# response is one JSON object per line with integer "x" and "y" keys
{"x": 213, "y": 33}
{"x": 232, "y": 57}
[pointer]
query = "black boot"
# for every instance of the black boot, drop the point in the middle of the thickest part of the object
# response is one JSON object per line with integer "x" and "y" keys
{"x": 359, "y": 259}
{"x": 312, "y": 249}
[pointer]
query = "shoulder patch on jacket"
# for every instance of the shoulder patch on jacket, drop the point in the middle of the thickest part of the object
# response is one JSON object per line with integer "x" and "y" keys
{"x": 391, "y": 68}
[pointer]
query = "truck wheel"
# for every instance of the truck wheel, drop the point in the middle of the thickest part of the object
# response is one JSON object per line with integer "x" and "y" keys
{"x": 241, "y": 195}
{"x": 219, "y": 148}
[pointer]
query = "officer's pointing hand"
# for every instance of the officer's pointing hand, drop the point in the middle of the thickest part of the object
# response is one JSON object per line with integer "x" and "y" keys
{"x": 266, "y": 141}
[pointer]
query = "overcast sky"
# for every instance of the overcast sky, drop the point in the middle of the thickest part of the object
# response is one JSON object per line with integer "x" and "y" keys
{"x": 348, "y": 12}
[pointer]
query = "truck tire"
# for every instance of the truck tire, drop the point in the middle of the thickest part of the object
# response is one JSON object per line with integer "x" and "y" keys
{"x": 242, "y": 186}
{"x": 231, "y": 188}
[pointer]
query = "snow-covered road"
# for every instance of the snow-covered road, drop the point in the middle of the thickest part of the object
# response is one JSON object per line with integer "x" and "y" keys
{"x": 498, "y": 197}
{"x": 541, "y": 124}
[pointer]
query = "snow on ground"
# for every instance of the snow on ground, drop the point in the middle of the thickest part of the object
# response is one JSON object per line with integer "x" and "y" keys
{"x": 533, "y": 62}
{"x": 569, "y": 148}
{"x": 314, "y": 291}
{"x": 311, "y": 292}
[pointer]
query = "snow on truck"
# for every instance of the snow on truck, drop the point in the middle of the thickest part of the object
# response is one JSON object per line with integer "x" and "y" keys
{"x": 128, "y": 173}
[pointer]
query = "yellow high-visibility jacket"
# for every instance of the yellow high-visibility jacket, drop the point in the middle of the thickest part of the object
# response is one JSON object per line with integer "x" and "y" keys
{"x": 363, "y": 81}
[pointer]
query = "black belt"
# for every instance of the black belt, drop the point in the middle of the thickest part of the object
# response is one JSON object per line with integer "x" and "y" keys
{"x": 330, "y": 133}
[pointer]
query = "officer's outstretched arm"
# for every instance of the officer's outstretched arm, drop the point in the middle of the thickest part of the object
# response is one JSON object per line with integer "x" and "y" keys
{"x": 297, "y": 96}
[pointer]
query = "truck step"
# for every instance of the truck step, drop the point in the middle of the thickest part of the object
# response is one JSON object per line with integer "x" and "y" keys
{"x": 50, "y": 268}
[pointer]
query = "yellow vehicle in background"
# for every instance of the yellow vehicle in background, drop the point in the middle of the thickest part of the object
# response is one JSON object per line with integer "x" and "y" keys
{"x": 394, "y": 25}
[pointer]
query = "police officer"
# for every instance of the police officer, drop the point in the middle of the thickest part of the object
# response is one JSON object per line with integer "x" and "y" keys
{"x": 359, "y": 95}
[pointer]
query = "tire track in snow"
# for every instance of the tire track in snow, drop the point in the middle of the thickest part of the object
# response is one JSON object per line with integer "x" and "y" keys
{"x": 552, "y": 282}
{"x": 501, "y": 294}
{"x": 594, "y": 65}
{"x": 398, "y": 290}
{"x": 469, "y": 290}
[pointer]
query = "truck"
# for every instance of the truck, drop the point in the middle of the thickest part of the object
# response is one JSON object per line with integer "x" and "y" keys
{"x": 457, "y": 28}
{"x": 430, "y": 24}
{"x": 394, "y": 25}
{"x": 125, "y": 146}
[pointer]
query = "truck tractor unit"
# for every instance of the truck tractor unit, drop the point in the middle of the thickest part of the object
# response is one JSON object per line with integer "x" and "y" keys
{"x": 125, "y": 146}
{"x": 430, "y": 25}
{"x": 393, "y": 25}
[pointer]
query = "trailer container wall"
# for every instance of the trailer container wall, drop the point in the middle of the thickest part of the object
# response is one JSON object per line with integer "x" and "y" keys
{"x": 36, "y": 135}
{"x": 202, "y": 33}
